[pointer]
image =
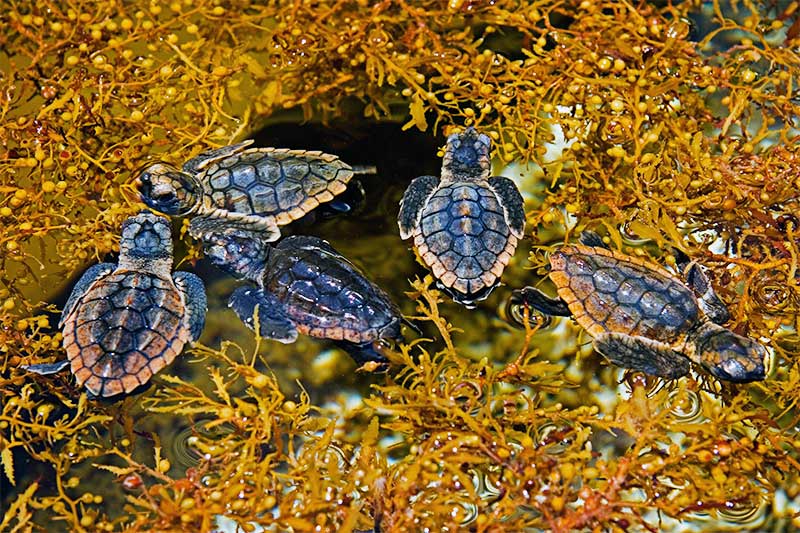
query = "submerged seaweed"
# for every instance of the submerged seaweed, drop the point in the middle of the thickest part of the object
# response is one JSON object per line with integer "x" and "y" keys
{"x": 627, "y": 125}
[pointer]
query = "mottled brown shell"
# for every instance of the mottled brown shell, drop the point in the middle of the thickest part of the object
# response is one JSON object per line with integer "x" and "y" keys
{"x": 125, "y": 328}
{"x": 607, "y": 291}
{"x": 274, "y": 182}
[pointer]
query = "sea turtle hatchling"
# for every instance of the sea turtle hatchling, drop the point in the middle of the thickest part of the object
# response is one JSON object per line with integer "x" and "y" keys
{"x": 257, "y": 188}
{"x": 643, "y": 317}
{"x": 303, "y": 285}
{"x": 465, "y": 224}
{"x": 123, "y": 323}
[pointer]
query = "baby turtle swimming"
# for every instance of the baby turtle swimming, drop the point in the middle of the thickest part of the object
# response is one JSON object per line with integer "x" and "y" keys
{"x": 255, "y": 188}
{"x": 123, "y": 323}
{"x": 643, "y": 317}
{"x": 305, "y": 286}
{"x": 465, "y": 225}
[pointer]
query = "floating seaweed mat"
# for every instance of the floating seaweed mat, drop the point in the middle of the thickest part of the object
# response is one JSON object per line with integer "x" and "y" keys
{"x": 662, "y": 126}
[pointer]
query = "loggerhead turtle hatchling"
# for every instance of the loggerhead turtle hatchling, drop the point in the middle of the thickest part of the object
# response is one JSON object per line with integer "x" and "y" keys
{"x": 643, "y": 317}
{"x": 465, "y": 224}
{"x": 123, "y": 323}
{"x": 255, "y": 188}
{"x": 304, "y": 286}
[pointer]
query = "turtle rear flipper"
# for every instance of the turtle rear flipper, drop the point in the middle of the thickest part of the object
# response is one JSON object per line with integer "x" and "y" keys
{"x": 194, "y": 294}
{"x": 90, "y": 276}
{"x": 512, "y": 203}
{"x": 204, "y": 159}
{"x": 273, "y": 322}
{"x": 47, "y": 369}
{"x": 642, "y": 354}
{"x": 364, "y": 169}
{"x": 414, "y": 199}
{"x": 339, "y": 206}
{"x": 468, "y": 299}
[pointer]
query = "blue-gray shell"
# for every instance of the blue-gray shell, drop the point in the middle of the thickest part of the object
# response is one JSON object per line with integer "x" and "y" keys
{"x": 463, "y": 237}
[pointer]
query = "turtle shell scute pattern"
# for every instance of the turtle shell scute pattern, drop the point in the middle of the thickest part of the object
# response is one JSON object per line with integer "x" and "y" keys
{"x": 326, "y": 297}
{"x": 463, "y": 237}
{"x": 609, "y": 292}
{"x": 282, "y": 183}
{"x": 128, "y": 326}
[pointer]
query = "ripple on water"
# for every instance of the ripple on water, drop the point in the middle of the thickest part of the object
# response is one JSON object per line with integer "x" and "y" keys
{"x": 630, "y": 237}
{"x": 550, "y": 436}
{"x": 686, "y": 405}
{"x": 464, "y": 512}
{"x": 743, "y": 516}
{"x": 181, "y": 445}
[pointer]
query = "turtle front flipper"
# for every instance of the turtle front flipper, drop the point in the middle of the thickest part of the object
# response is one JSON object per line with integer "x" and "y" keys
{"x": 711, "y": 304}
{"x": 204, "y": 159}
{"x": 590, "y": 238}
{"x": 540, "y": 301}
{"x": 194, "y": 294}
{"x": 642, "y": 354}
{"x": 90, "y": 276}
{"x": 264, "y": 228}
{"x": 512, "y": 203}
{"x": 414, "y": 199}
{"x": 273, "y": 321}
{"x": 46, "y": 369}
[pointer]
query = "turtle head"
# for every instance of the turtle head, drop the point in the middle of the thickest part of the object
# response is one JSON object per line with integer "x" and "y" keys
{"x": 168, "y": 190}
{"x": 731, "y": 357}
{"x": 238, "y": 252}
{"x": 466, "y": 156}
{"x": 146, "y": 236}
